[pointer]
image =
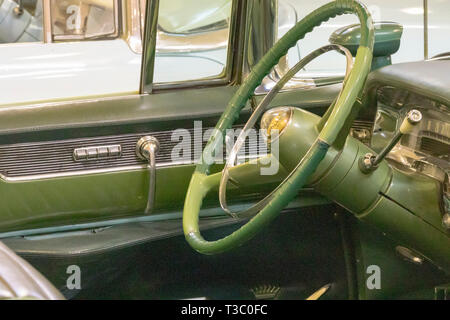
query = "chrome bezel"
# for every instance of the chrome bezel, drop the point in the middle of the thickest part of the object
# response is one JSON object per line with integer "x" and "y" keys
{"x": 143, "y": 143}
{"x": 264, "y": 105}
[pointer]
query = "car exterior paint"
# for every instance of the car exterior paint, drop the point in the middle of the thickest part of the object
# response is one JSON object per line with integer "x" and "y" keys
{"x": 32, "y": 72}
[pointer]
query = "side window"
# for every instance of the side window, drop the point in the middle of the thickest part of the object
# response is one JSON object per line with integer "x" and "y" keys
{"x": 192, "y": 40}
{"x": 21, "y": 21}
{"x": 84, "y": 19}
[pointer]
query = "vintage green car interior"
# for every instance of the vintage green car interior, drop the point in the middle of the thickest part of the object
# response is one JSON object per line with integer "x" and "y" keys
{"x": 360, "y": 188}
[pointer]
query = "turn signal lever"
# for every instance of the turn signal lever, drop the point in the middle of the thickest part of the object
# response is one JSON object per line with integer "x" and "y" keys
{"x": 370, "y": 161}
{"x": 146, "y": 149}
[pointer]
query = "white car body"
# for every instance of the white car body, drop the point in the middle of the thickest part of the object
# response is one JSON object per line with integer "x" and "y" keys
{"x": 33, "y": 72}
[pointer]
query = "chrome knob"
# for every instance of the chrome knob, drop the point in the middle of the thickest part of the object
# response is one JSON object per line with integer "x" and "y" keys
{"x": 145, "y": 146}
{"x": 414, "y": 116}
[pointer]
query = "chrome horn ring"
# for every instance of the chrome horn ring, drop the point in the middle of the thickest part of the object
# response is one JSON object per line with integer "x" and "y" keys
{"x": 231, "y": 161}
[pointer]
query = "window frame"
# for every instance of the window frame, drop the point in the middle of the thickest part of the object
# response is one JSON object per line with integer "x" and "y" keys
{"x": 229, "y": 73}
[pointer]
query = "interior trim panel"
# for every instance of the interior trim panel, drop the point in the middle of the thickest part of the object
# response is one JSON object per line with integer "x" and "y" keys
{"x": 49, "y": 159}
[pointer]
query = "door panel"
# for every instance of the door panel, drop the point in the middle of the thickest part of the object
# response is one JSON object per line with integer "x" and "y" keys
{"x": 41, "y": 185}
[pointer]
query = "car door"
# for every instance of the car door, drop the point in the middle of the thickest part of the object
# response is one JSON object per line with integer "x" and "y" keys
{"x": 68, "y": 135}
{"x": 80, "y": 96}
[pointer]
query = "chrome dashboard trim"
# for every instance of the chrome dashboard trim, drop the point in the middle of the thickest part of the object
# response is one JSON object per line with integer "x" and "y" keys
{"x": 69, "y": 174}
{"x": 57, "y": 156}
{"x": 15, "y": 168}
{"x": 144, "y": 166}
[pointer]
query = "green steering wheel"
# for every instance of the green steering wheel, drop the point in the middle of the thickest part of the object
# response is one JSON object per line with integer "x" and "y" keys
{"x": 201, "y": 182}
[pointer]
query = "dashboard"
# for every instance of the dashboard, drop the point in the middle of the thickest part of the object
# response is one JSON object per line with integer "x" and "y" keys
{"x": 395, "y": 90}
{"x": 427, "y": 148}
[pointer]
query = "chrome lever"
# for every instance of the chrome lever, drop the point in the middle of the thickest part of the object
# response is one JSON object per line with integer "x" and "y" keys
{"x": 146, "y": 149}
{"x": 370, "y": 162}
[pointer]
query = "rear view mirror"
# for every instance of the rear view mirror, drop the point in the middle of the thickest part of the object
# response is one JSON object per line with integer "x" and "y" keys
{"x": 387, "y": 41}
